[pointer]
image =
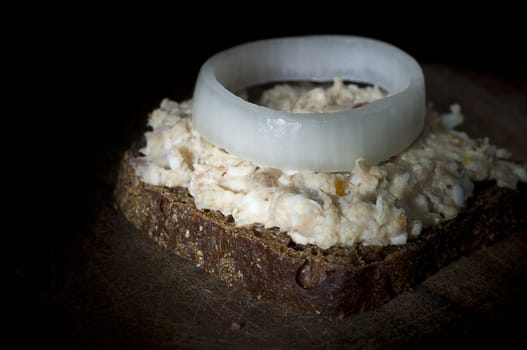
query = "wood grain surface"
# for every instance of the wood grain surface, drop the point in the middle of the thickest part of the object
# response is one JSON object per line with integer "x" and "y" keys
{"x": 111, "y": 287}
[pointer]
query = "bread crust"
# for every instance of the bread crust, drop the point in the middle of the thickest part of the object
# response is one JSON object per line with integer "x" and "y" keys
{"x": 337, "y": 281}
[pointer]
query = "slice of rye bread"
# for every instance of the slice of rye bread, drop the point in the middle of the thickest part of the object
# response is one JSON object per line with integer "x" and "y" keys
{"x": 336, "y": 281}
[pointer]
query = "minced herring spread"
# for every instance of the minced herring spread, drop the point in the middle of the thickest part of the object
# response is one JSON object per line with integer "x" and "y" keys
{"x": 382, "y": 204}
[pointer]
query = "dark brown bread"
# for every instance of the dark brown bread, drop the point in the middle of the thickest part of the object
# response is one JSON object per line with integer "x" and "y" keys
{"x": 337, "y": 281}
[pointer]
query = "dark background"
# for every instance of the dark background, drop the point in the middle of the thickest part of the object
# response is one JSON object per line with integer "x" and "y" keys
{"x": 91, "y": 78}
{"x": 125, "y": 69}
{"x": 130, "y": 68}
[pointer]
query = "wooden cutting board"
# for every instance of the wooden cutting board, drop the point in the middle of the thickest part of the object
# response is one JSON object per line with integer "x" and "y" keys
{"x": 114, "y": 288}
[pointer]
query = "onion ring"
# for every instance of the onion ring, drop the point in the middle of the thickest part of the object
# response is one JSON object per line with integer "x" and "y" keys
{"x": 310, "y": 141}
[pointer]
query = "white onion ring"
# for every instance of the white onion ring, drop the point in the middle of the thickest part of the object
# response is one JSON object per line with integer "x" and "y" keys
{"x": 313, "y": 141}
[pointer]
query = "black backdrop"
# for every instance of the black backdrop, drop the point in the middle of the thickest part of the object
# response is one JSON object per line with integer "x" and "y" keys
{"x": 122, "y": 68}
{"x": 125, "y": 69}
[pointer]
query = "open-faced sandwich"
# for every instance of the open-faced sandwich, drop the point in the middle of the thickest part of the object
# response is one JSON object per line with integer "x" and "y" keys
{"x": 329, "y": 199}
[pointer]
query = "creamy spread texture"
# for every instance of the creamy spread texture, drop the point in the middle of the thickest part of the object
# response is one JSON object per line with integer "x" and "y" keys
{"x": 379, "y": 204}
{"x": 306, "y": 98}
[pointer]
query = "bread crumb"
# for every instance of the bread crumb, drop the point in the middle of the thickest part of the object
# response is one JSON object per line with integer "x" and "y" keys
{"x": 235, "y": 326}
